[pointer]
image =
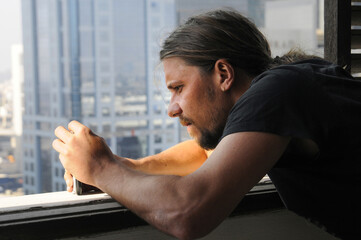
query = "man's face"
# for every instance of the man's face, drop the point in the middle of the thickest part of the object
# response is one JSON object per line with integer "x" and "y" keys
{"x": 197, "y": 101}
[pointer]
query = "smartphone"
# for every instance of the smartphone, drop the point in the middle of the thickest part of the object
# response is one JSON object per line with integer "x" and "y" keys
{"x": 80, "y": 188}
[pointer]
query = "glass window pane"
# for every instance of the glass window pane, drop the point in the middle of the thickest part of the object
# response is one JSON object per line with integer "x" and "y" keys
{"x": 84, "y": 56}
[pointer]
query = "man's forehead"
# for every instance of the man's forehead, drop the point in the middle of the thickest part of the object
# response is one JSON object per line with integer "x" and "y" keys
{"x": 172, "y": 64}
{"x": 177, "y": 69}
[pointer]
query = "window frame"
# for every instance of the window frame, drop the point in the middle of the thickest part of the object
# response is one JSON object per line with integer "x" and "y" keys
{"x": 62, "y": 214}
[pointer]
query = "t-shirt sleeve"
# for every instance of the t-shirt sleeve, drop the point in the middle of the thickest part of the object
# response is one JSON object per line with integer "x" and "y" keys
{"x": 285, "y": 103}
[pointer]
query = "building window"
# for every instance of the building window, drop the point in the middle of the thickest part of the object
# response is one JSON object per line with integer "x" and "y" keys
{"x": 157, "y": 123}
{"x": 170, "y": 123}
{"x": 106, "y": 111}
{"x": 114, "y": 59}
{"x": 105, "y": 81}
{"x": 106, "y": 98}
{"x": 157, "y": 109}
{"x": 106, "y": 128}
{"x": 157, "y": 139}
{"x": 93, "y": 127}
{"x": 87, "y": 74}
{"x": 170, "y": 138}
{"x": 86, "y": 44}
{"x": 88, "y": 105}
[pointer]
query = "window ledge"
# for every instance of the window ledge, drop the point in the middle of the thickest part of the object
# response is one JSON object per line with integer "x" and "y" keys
{"x": 39, "y": 206}
{"x": 63, "y": 214}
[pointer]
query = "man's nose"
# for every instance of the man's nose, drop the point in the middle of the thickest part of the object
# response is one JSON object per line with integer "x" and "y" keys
{"x": 174, "y": 110}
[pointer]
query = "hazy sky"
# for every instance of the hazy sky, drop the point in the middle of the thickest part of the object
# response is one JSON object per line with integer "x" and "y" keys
{"x": 10, "y": 30}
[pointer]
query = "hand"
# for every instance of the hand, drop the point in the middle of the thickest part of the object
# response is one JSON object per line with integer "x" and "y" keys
{"x": 82, "y": 153}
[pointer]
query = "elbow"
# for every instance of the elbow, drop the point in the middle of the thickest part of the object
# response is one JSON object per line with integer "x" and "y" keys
{"x": 185, "y": 232}
{"x": 188, "y": 226}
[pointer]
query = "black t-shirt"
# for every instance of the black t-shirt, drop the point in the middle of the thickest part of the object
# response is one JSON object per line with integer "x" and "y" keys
{"x": 316, "y": 101}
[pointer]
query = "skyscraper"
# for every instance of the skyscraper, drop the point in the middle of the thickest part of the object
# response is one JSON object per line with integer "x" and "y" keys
{"x": 11, "y": 108}
{"x": 94, "y": 61}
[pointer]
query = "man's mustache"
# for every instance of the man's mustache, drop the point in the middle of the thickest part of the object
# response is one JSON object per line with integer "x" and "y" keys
{"x": 185, "y": 121}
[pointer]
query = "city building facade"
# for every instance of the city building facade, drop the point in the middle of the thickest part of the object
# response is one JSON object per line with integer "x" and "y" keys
{"x": 97, "y": 61}
{"x": 91, "y": 61}
{"x": 94, "y": 61}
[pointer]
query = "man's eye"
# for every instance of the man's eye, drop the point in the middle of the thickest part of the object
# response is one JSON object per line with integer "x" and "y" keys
{"x": 178, "y": 88}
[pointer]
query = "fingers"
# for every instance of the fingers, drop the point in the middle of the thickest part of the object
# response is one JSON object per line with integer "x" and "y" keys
{"x": 59, "y": 146}
{"x": 67, "y": 144}
{"x": 76, "y": 127}
{"x": 63, "y": 134}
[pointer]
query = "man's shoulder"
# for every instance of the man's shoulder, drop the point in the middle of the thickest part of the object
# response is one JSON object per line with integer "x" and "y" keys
{"x": 309, "y": 75}
{"x": 298, "y": 70}
{"x": 287, "y": 80}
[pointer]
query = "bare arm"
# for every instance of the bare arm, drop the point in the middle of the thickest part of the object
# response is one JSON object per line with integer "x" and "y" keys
{"x": 186, "y": 207}
{"x": 181, "y": 159}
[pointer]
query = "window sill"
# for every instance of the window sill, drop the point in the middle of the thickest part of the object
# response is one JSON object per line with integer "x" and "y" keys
{"x": 14, "y": 210}
{"x": 62, "y": 214}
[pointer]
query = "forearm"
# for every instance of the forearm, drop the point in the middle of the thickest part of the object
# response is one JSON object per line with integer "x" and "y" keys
{"x": 184, "y": 206}
{"x": 166, "y": 202}
{"x": 182, "y": 159}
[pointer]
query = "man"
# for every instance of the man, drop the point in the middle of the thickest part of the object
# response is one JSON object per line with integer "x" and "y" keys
{"x": 294, "y": 117}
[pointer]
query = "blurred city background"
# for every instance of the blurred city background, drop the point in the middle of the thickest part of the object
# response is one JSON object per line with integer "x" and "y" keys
{"x": 95, "y": 61}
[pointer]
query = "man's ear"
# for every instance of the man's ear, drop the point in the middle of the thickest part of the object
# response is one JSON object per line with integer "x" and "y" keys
{"x": 224, "y": 74}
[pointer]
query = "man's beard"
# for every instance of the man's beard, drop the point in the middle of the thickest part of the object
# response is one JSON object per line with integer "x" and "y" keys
{"x": 209, "y": 138}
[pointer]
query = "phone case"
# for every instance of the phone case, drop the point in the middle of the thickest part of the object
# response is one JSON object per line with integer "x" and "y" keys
{"x": 80, "y": 188}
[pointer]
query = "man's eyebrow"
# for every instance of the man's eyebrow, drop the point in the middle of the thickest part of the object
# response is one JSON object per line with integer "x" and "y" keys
{"x": 170, "y": 84}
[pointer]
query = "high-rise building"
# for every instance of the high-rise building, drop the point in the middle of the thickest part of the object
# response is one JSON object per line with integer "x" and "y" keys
{"x": 17, "y": 82}
{"x": 11, "y": 108}
{"x": 94, "y": 61}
